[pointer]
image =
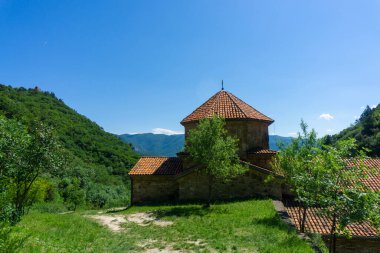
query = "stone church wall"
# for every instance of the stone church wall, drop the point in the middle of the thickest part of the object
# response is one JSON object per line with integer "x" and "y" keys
{"x": 356, "y": 245}
{"x": 195, "y": 186}
{"x": 251, "y": 134}
{"x": 154, "y": 189}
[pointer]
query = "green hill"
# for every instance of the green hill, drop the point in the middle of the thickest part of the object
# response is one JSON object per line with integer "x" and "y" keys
{"x": 99, "y": 160}
{"x": 366, "y": 131}
{"x": 168, "y": 145}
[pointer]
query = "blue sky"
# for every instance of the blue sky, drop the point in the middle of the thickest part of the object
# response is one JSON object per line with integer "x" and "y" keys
{"x": 133, "y": 66}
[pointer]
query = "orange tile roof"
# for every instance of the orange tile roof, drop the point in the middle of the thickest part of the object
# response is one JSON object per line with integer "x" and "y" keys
{"x": 373, "y": 178}
{"x": 318, "y": 223}
{"x": 157, "y": 166}
{"x": 228, "y": 106}
{"x": 263, "y": 151}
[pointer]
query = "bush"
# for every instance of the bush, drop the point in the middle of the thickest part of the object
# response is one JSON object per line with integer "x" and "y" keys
{"x": 9, "y": 242}
{"x": 52, "y": 207}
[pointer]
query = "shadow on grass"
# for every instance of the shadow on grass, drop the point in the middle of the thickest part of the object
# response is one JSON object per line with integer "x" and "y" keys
{"x": 185, "y": 211}
{"x": 200, "y": 202}
{"x": 191, "y": 208}
{"x": 273, "y": 222}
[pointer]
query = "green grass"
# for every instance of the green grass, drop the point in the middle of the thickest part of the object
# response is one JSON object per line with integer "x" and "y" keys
{"x": 244, "y": 226}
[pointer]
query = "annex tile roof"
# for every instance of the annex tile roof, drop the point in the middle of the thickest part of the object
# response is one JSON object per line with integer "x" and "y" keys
{"x": 373, "y": 177}
{"x": 228, "y": 106}
{"x": 157, "y": 166}
{"x": 318, "y": 223}
{"x": 263, "y": 151}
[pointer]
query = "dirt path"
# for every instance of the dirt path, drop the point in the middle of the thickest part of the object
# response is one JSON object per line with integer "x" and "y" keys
{"x": 111, "y": 222}
{"x": 114, "y": 222}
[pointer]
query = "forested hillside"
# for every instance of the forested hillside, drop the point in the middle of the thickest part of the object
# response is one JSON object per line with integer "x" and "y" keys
{"x": 366, "y": 131}
{"x": 97, "y": 162}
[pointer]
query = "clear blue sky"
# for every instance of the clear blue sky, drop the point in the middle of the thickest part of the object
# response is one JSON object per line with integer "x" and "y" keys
{"x": 132, "y": 66}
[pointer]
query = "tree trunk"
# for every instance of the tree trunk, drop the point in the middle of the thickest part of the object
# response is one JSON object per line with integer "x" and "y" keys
{"x": 210, "y": 181}
{"x": 304, "y": 217}
{"x": 332, "y": 244}
{"x": 299, "y": 214}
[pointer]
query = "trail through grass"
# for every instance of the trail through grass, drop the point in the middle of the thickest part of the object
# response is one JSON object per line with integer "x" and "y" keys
{"x": 244, "y": 226}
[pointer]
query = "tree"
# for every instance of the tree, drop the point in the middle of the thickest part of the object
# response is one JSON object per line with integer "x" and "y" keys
{"x": 320, "y": 176}
{"x": 24, "y": 155}
{"x": 210, "y": 146}
{"x": 343, "y": 195}
{"x": 296, "y": 163}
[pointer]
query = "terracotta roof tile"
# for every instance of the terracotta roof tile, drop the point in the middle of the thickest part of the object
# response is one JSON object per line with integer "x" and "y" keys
{"x": 318, "y": 223}
{"x": 157, "y": 166}
{"x": 228, "y": 106}
{"x": 373, "y": 178}
{"x": 263, "y": 151}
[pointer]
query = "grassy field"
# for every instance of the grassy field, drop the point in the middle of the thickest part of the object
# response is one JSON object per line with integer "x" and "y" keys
{"x": 244, "y": 226}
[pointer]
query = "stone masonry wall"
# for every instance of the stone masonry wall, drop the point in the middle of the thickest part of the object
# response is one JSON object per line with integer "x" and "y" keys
{"x": 195, "y": 186}
{"x": 251, "y": 134}
{"x": 261, "y": 160}
{"x": 365, "y": 245}
{"x": 154, "y": 188}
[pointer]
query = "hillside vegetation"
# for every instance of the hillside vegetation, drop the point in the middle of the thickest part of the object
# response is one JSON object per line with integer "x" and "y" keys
{"x": 169, "y": 145}
{"x": 366, "y": 131}
{"x": 97, "y": 162}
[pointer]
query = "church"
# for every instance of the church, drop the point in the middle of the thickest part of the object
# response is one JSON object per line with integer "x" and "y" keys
{"x": 159, "y": 179}
{"x": 156, "y": 179}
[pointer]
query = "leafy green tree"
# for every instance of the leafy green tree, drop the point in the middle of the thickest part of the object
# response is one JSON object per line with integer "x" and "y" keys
{"x": 296, "y": 163}
{"x": 76, "y": 195}
{"x": 72, "y": 193}
{"x": 210, "y": 146}
{"x": 24, "y": 155}
{"x": 343, "y": 195}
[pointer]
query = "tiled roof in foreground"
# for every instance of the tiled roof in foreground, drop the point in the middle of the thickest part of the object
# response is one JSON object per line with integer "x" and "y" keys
{"x": 228, "y": 106}
{"x": 373, "y": 178}
{"x": 157, "y": 166}
{"x": 318, "y": 223}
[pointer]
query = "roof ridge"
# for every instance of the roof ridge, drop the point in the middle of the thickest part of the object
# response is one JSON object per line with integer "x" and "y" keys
{"x": 212, "y": 108}
{"x": 231, "y": 96}
{"x": 248, "y": 105}
{"x": 201, "y": 105}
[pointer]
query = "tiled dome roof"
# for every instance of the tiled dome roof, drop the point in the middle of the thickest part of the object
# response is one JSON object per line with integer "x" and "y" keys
{"x": 228, "y": 106}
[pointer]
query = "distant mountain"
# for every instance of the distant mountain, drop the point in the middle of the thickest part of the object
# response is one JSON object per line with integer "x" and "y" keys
{"x": 155, "y": 144}
{"x": 168, "y": 145}
{"x": 275, "y": 140}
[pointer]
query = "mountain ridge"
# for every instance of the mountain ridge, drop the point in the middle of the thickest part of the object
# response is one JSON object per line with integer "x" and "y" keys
{"x": 151, "y": 144}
